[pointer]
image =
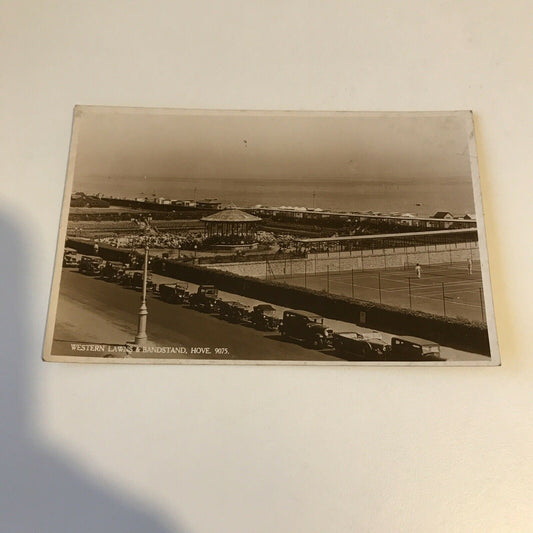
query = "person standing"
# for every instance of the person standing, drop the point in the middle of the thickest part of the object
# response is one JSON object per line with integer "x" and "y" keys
{"x": 469, "y": 265}
{"x": 418, "y": 270}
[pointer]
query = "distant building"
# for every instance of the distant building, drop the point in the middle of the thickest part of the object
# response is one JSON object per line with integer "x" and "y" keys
{"x": 405, "y": 220}
{"x": 189, "y": 203}
{"x": 209, "y": 203}
{"x": 140, "y": 199}
{"x": 443, "y": 215}
{"x": 294, "y": 212}
{"x": 81, "y": 199}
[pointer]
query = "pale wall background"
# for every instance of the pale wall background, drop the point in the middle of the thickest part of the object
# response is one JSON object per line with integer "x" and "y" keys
{"x": 250, "y": 449}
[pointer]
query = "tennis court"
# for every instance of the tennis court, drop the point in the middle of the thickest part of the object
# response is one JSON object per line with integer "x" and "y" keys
{"x": 444, "y": 289}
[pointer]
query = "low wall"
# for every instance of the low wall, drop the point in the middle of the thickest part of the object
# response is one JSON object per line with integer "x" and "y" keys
{"x": 359, "y": 261}
{"x": 106, "y": 252}
{"x": 226, "y": 247}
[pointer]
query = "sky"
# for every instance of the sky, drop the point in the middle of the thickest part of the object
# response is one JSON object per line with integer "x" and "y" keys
{"x": 126, "y": 143}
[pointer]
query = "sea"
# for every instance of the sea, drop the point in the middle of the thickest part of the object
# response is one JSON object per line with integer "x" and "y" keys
{"x": 422, "y": 197}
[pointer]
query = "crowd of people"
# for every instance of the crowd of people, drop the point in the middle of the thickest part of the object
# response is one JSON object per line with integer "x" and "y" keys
{"x": 158, "y": 240}
{"x": 196, "y": 240}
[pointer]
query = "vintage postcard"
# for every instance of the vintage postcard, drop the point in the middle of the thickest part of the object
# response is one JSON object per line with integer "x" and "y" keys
{"x": 192, "y": 236}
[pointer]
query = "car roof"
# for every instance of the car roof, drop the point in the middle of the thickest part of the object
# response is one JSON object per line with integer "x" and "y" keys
{"x": 416, "y": 340}
{"x": 264, "y": 307}
{"x": 307, "y": 314}
{"x": 239, "y": 304}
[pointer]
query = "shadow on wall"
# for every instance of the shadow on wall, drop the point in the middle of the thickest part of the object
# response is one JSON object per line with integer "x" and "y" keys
{"x": 41, "y": 491}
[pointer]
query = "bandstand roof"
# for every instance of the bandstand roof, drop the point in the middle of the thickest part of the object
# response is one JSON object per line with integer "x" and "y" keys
{"x": 231, "y": 215}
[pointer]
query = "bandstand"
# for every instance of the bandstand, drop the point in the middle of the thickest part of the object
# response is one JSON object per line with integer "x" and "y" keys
{"x": 229, "y": 225}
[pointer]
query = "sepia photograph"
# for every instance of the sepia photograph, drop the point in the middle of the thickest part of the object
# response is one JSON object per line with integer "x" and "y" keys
{"x": 193, "y": 236}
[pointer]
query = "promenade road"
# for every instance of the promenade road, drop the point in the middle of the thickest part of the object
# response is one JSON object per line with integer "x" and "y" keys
{"x": 91, "y": 310}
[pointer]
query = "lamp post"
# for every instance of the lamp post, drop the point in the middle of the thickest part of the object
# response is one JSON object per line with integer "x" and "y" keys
{"x": 141, "y": 337}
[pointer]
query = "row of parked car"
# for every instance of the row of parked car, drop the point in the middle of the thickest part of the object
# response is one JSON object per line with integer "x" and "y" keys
{"x": 112, "y": 271}
{"x": 303, "y": 326}
{"x": 206, "y": 299}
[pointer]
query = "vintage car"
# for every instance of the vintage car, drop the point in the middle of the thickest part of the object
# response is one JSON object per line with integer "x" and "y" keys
{"x": 353, "y": 346}
{"x": 90, "y": 265}
{"x": 225, "y": 308}
{"x": 112, "y": 271}
{"x": 240, "y": 313}
{"x": 264, "y": 317}
{"x": 174, "y": 292}
{"x": 127, "y": 278}
{"x": 70, "y": 257}
{"x": 306, "y": 327}
{"x": 205, "y": 299}
{"x": 133, "y": 279}
{"x": 414, "y": 349}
